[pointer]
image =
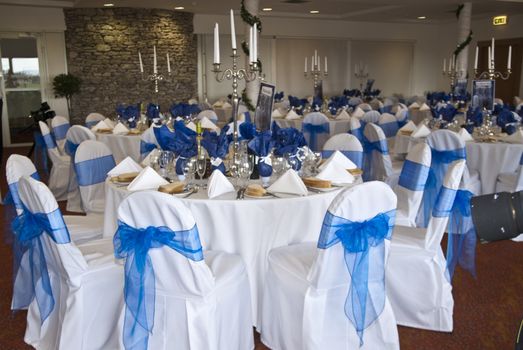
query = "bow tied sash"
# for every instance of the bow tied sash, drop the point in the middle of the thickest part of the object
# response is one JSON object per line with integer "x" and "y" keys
{"x": 134, "y": 244}
{"x": 313, "y": 131}
{"x": 32, "y": 277}
{"x": 364, "y": 252}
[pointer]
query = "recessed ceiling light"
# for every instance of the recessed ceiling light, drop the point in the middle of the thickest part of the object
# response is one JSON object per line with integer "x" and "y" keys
{"x": 267, "y": 9}
{"x": 179, "y": 8}
{"x": 108, "y": 5}
{"x": 314, "y": 11}
{"x": 422, "y": 17}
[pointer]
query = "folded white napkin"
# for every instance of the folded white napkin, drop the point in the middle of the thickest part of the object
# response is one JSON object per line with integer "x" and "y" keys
{"x": 101, "y": 125}
{"x": 358, "y": 112}
{"x": 147, "y": 179}
{"x": 226, "y": 105}
{"x": 206, "y": 123}
{"x": 218, "y": 184}
{"x": 217, "y": 104}
{"x": 290, "y": 183}
{"x": 277, "y": 114}
{"x": 128, "y": 165}
{"x": 410, "y": 126}
{"x": 231, "y": 127}
{"x": 465, "y": 135}
{"x": 414, "y": 105}
{"x": 336, "y": 174}
{"x": 191, "y": 126}
{"x": 424, "y": 107}
{"x": 421, "y": 131}
{"x": 120, "y": 129}
{"x": 343, "y": 115}
{"x": 516, "y": 137}
{"x": 340, "y": 160}
{"x": 193, "y": 101}
{"x": 292, "y": 115}
{"x": 147, "y": 160}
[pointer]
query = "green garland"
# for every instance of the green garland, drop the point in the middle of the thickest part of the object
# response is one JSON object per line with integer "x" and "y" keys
{"x": 250, "y": 19}
{"x": 458, "y": 10}
{"x": 464, "y": 44}
{"x": 247, "y": 101}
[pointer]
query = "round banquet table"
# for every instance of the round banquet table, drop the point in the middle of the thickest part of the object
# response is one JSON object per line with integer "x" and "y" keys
{"x": 122, "y": 146}
{"x": 249, "y": 227}
{"x": 489, "y": 159}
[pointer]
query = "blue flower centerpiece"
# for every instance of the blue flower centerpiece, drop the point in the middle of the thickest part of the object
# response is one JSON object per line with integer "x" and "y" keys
{"x": 261, "y": 145}
{"x": 217, "y": 147}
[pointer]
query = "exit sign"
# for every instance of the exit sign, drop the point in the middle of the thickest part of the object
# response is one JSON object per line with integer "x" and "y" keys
{"x": 499, "y": 20}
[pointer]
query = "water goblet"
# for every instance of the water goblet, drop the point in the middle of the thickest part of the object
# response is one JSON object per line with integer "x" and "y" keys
{"x": 201, "y": 164}
{"x": 189, "y": 169}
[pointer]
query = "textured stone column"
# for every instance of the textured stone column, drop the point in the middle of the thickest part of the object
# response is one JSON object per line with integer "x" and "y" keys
{"x": 463, "y": 33}
{"x": 252, "y": 87}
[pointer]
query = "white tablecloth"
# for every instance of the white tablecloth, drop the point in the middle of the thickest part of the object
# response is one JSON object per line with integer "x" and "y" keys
{"x": 489, "y": 159}
{"x": 122, "y": 145}
{"x": 249, "y": 227}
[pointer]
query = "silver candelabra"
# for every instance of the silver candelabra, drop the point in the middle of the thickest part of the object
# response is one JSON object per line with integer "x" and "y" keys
{"x": 491, "y": 73}
{"x": 453, "y": 74}
{"x": 316, "y": 74}
{"x": 156, "y": 77}
{"x": 235, "y": 74}
{"x": 361, "y": 74}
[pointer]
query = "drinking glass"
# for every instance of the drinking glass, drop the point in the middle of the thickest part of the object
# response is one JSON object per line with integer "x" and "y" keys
{"x": 189, "y": 169}
{"x": 164, "y": 159}
{"x": 245, "y": 171}
{"x": 317, "y": 157}
{"x": 201, "y": 164}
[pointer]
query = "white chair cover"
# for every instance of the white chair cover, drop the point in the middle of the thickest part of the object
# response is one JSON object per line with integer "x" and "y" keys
{"x": 76, "y": 135}
{"x": 92, "y": 119}
{"x": 376, "y": 160}
{"x": 417, "y": 280}
{"x": 148, "y": 142}
{"x": 389, "y": 124}
{"x": 199, "y": 304}
{"x": 210, "y": 114}
{"x": 81, "y": 228}
{"x": 60, "y": 127}
{"x": 411, "y": 184}
{"x": 59, "y": 175}
{"x": 365, "y": 107}
{"x": 356, "y": 129}
{"x": 306, "y": 289}
{"x": 316, "y": 130}
{"x": 348, "y": 145}
{"x": 371, "y": 117}
{"x": 86, "y": 284}
{"x": 93, "y": 160}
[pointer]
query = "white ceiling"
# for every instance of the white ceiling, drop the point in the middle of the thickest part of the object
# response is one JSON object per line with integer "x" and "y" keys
{"x": 353, "y": 10}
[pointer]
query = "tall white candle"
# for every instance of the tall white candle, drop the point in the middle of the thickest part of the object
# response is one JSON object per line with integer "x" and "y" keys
{"x": 476, "y": 59}
{"x": 450, "y": 64}
{"x": 509, "y": 63}
{"x": 305, "y": 70}
{"x": 233, "y": 31}
{"x": 312, "y": 63}
{"x": 251, "y": 48}
{"x": 255, "y": 42}
{"x": 168, "y": 64}
{"x": 489, "y": 57}
{"x": 493, "y": 55}
{"x": 155, "y": 68}
{"x": 141, "y": 63}
{"x": 315, "y": 57}
{"x": 216, "y": 43}
{"x": 326, "y": 64}
{"x": 319, "y": 64}
{"x": 444, "y": 64}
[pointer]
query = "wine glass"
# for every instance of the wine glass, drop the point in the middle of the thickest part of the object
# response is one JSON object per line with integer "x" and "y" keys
{"x": 278, "y": 165}
{"x": 189, "y": 169}
{"x": 317, "y": 158}
{"x": 201, "y": 164}
{"x": 164, "y": 159}
{"x": 245, "y": 170}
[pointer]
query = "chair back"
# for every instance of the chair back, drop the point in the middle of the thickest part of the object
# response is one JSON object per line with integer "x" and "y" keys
{"x": 92, "y": 161}
{"x": 347, "y": 144}
{"x": 75, "y": 136}
{"x": 148, "y": 142}
{"x": 376, "y": 160}
{"x": 316, "y": 130}
{"x": 389, "y": 124}
{"x": 16, "y": 167}
{"x": 356, "y": 128}
{"x": 92, "y": 119}
{"x": 365, "y": 107}
{"x": 412, "y": 180}
{"x": 60, "y": 127}
{"x": 371, "y": 117}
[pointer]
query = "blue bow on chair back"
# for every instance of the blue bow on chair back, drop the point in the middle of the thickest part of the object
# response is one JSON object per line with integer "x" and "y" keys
{"x": 355, "y": 156}
{"x": 364, "y": 252}
{"x": 311, "y": 131}
{"x": 31, "y": 274}
{"x": 134, "y": 244}
{"x": 94, "y": 171}
{"x": 369, "y": 149}
{"x": 13, "y": 197}
{"x": 60, "y": 131}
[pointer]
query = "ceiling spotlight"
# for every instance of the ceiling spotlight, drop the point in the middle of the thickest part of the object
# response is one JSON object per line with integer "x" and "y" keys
{"x": 314, "y": 12}
{"x": 267, "y": 9}
{"x": 108, "y": 5}
{"x": 179, "y": 8}
{"x": 422, "y": 17}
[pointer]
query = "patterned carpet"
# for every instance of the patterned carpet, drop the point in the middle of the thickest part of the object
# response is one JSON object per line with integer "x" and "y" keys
{"x": 487, "y": 309}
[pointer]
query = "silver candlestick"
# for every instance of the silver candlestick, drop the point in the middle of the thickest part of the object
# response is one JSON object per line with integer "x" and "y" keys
{"x": 453, "y": 74}
{"x": 156, "y": 77}
{"x": 361, "y": 74}
{"x": 491, "y": 73}
{"x": 316, "y": 74}
{"x": 235, "y": 74}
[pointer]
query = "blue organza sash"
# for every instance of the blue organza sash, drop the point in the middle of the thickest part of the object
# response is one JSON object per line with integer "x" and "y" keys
{"x": 413, "y": 176}
{"x": 368, "y": 149}
{"x": 49, "y": 141}
{"x": 31, "y": 274}
{"x": 70, "y": 148}
{"x": 358, "y": 133}
{"x": 134, "y": 244}
{"x": 313, "y": 131}
{"x": 355, "y": 156}
{"x": 91, "y": 124}
{"x": 444, "y": 203}
{"x": 389, "y": 129}
{"x": 13, "y": 196}
{"x": 364, "y": 247}
{"x": 60, "y": 131}
{"x": 94, "y": 171}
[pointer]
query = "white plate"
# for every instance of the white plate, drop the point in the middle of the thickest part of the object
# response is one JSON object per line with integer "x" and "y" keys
{"x": 259, "y": 197}
{"x": 328, "y": 189}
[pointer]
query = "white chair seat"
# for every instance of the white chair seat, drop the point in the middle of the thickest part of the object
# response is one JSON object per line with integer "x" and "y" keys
{"x": 295, "y": 259}
{"x": 84, "y": 228}
{"x": 224, "y": 266}
{"x": 98, "y": 253}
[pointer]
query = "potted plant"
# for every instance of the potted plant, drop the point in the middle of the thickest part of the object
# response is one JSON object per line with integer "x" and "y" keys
{"x": 66, "y": 85}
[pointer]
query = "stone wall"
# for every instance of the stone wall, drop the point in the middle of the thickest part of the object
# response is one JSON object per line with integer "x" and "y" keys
{"x": 102, "y": 49}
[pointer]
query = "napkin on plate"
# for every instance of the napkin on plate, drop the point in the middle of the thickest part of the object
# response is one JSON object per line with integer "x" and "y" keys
{"x": 410, "y": 126}
{"x": 217, "y": 104}
{"x": 292, "y": 115}
{"x": 226, "y": 105}
{"x": 424, "y": 107}
{"x": 343, "y": 115}
{"x": 191, "y": 126}
{"x": 414, "y": 105}
{"x": 465, "y": 135}
{"x": 339, "y": 159}
{"x": 147, "y": 179}
{"x": 147, "y": 160}
{"x": 516, "y": 137}
{"x": 109, "y": 122}
{"x": 120, "y": 129}
{"x": 358, "y": 112}
{"x": 289, "y": 183}
{"x": 101, "y": 125}
{"x": 336, "y": 174}
{"x": 128, "y": 165}
{"x": 421, "y": 131}
{"x": 218, "y": 184}
{"x": 206, "y": 123}
{"x": 277, "y": 114}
